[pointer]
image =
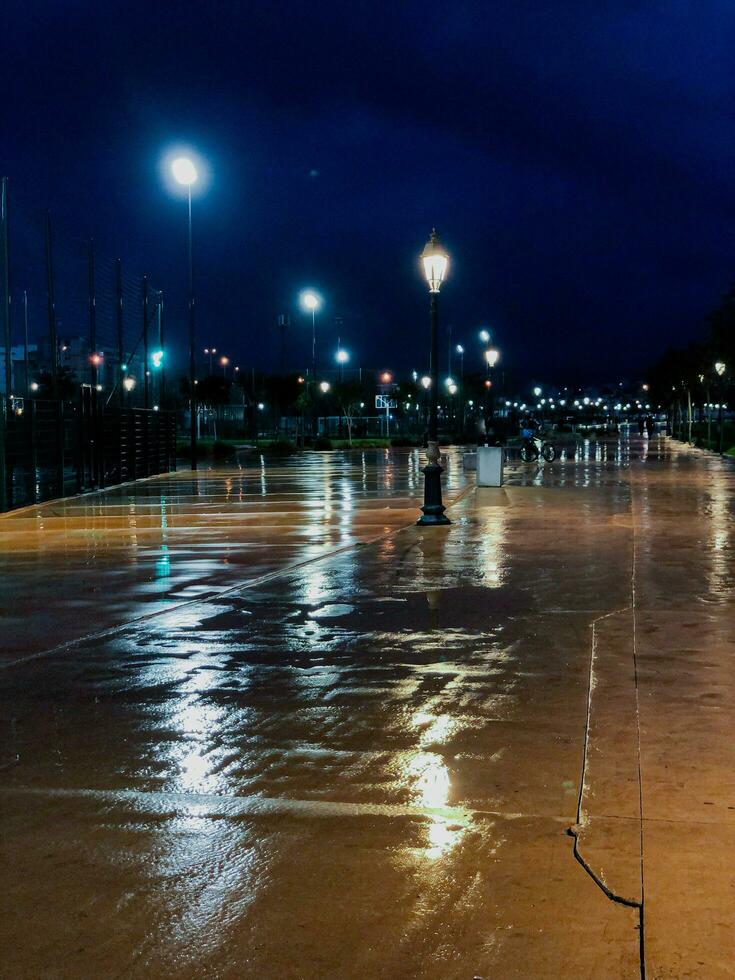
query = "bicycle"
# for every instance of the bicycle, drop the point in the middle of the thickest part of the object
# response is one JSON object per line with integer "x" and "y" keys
{"x": 533, "y": 446}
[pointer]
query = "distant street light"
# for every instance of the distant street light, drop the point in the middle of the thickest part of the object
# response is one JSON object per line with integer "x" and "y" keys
{"x": 324, "y": 387}
{"x": 129, "y": 384}
{"x": 224, "y": 361}
{"x": 720, "y": 368}
{"x": 341, "y": 357}
{"x": 185, "y": 173}
{"x": 211, "y": 351}
{"x": 485, "y": 336}
{"x": 537, "y": 392}
{"x": 491, "y": 356}
{"x": 435, "y": 262}
{"x": 311, "y": 302}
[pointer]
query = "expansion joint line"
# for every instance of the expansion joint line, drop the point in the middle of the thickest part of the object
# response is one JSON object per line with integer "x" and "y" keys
{"x": 575, "y": 830}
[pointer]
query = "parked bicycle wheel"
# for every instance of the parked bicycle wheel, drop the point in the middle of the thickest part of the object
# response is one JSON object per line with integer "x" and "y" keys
{"x": 548, "y": 452}
{"x": 529, "y": 452}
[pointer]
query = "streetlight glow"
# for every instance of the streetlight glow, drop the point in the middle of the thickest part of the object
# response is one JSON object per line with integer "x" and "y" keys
{"x": 426, "y": 382}
{"x": 459, "y": 348}
{"x": 491, "y": 356}
{"x": 720, "y": 367}
{"x": 435, "y": 261}
{"x": 324, "y": 386}
{"x": 485, "y": 336}
{"x": 184, "y": 171}
{"x": 310, "y": 301}
{"x": 342, "y": 357}
{"x": 537, "y": 392}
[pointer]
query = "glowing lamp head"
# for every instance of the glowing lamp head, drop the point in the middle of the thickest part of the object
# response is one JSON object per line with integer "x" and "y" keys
{"x": 157, "y": 358}
{"x": 342, "y": 357}
{"x": 426, "y": 382}
{"x": 537, "y": 392}
{"x": 96, "y": 359}
{"x": 224, "y": 361}
{"x": 128, "y": 384}
{"x": 449, "y": 382}
{"x": 310, "y": 301}
{"x": 386, "y": 377}
{"x": 452, "y": 389}
{"x": 488, "y": 383}
{"x": 720, "y": 368}
{"x": 435, "y": 262}
{"x": 261, "y": 406}
{"x": 459, "y": 348}
{"x": 184, "y": 171}
{"x": 324, "y": 387}
{"x": 34, "y": 386}
{"x": 485, "y": 336}
{"x": 491, "y": 356}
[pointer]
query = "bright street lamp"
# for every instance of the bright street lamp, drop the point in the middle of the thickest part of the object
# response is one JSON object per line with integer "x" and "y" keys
{"x": 324, "y": 387}
{"x": 341, "y": 357}
{"x": 435, "y": 262}
{"x": 426, "y": 382}
{"x": 720, "y": 368}
{"x": 185, "y": 173}
{"x": 537, "y": 392}
{"x": 485, "y": 336}
{"x": 491, "y": 356}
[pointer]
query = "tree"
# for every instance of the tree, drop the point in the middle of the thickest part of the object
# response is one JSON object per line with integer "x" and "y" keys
{"x": 348, "y": 396}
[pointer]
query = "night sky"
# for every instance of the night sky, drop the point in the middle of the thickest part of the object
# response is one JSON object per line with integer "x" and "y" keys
{"x": 576, "y": 158}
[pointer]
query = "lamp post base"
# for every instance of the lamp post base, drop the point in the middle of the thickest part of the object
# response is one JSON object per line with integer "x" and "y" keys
{"x": 433, "y": 509}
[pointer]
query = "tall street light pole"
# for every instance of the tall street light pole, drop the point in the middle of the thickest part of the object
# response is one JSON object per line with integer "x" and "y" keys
{"x": 310, "y": 301}
{"x": 185, "y": 173}
{"x": 435, "y": 261}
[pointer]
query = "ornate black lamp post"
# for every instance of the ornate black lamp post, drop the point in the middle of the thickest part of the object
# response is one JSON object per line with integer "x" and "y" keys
{"x": 435, "y": 261}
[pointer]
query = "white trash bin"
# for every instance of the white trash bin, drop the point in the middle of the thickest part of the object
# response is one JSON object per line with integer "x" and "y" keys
{"x": 490, "y": 466}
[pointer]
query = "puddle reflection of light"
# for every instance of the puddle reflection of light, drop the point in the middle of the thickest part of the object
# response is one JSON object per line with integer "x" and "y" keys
{"x": 430, "y": 783}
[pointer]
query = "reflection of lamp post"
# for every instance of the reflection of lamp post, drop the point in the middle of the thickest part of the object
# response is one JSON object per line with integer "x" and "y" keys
{"x": 185, "y": 173}
{"x": 435, "y": 261}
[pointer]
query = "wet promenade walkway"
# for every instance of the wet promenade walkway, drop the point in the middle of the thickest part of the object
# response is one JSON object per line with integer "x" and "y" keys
{"x": 282, "y": 732}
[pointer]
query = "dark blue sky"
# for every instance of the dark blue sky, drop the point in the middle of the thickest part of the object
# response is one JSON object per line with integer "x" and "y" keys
{"x": 577, "y": 158}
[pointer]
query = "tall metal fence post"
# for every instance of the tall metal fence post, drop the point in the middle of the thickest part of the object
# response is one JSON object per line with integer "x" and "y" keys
{"x": 5, "y": 470}
{"x": 54, "y": 342}
{"x": 6, "y": 288}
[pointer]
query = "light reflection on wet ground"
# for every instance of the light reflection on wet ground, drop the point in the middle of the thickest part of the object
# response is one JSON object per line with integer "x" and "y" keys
{"x": 366, "y": 765}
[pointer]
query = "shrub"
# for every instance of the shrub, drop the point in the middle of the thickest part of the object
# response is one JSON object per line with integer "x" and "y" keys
{"x": 281, "y": 447}
{"x": 222, "y": 450}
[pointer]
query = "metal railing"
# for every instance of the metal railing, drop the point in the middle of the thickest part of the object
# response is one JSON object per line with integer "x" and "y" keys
{"x": 50, "y": 448}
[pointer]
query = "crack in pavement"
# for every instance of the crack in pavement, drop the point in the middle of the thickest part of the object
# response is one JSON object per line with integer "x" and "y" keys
{"x": 582, "y": 819}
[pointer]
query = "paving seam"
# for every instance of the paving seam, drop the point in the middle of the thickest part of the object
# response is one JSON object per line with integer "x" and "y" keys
{"x": 574, "y": 830}
{"x": 240, "y": 587}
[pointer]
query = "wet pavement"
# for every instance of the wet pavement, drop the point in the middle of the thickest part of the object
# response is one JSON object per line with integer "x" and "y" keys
{"x": 310, "y": 739}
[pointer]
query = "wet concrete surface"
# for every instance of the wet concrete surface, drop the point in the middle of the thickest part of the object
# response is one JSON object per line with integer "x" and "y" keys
{"x": 358, "y": 748}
